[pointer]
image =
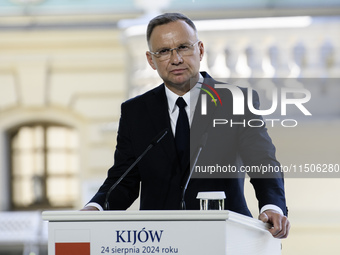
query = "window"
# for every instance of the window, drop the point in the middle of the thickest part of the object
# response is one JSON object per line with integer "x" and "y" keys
{"x": 44, "y": 167}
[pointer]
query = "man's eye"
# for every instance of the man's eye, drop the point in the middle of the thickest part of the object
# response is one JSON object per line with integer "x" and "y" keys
{"x": 183, "y": 47}
{"x": 164, "y": 51}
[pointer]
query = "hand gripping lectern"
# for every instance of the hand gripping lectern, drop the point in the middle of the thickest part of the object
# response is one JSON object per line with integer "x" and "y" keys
{"x": 157, "y": 232}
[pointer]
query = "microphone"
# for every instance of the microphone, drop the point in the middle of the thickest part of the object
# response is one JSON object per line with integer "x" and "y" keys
{"x": 201, "y": 146}
{"x": 154, "y": 141}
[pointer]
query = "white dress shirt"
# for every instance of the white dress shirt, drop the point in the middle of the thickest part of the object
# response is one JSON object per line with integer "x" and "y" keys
{"x": 190, "y": 98}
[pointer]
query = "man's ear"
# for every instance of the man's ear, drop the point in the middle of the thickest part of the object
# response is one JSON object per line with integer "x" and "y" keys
{"x": 150, "y": 60}
{"x": 201, "y": 49}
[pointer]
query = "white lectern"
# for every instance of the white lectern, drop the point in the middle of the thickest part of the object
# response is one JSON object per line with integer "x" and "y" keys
{"x": 157, "y": 232}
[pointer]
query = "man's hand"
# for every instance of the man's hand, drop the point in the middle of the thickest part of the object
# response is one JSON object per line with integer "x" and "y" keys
{"x": 280, "y": 223}
{"x": 89, "y": 208}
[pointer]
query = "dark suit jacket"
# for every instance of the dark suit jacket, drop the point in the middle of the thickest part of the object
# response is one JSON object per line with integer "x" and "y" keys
{"x": 159, "y": 173}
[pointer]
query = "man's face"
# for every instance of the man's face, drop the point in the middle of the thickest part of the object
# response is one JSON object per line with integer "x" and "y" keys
{"x": 177, "y": 70}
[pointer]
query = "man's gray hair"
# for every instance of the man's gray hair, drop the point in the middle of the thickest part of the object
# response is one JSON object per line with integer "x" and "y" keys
{"x": 165, "y": 19}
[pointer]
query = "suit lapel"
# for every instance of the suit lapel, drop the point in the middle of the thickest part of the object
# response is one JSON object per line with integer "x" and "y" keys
{"x": 157, "y": 107}
{"x": 201, "y": 123}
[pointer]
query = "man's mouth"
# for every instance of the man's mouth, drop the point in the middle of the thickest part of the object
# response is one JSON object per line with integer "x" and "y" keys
{"x": 177, "y": 71}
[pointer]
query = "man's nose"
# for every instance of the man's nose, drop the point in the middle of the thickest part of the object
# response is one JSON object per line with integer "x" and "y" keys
{"x": 175, "y": 57}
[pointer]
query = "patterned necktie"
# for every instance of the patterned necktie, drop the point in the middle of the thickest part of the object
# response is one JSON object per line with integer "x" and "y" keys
{"x": 182, "y": 136}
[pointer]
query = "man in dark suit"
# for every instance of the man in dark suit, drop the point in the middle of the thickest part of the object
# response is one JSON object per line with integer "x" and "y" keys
{"x": 176, "y": 52}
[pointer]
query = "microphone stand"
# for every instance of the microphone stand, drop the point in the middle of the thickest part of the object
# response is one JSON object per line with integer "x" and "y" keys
{"x": 202, "y": 144}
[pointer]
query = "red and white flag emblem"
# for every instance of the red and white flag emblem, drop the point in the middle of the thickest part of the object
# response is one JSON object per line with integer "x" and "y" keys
{"x": 72, "y": 242}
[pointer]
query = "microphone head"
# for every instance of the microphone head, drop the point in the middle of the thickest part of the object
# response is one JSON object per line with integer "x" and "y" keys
{"x": 160, "y": 136}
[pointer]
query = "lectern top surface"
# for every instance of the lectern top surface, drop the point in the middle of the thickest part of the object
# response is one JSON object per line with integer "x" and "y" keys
{"x": 64, "y": 216}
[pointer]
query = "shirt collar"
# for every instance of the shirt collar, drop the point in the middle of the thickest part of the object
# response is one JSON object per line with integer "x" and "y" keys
{"x": 190, "y": 97}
